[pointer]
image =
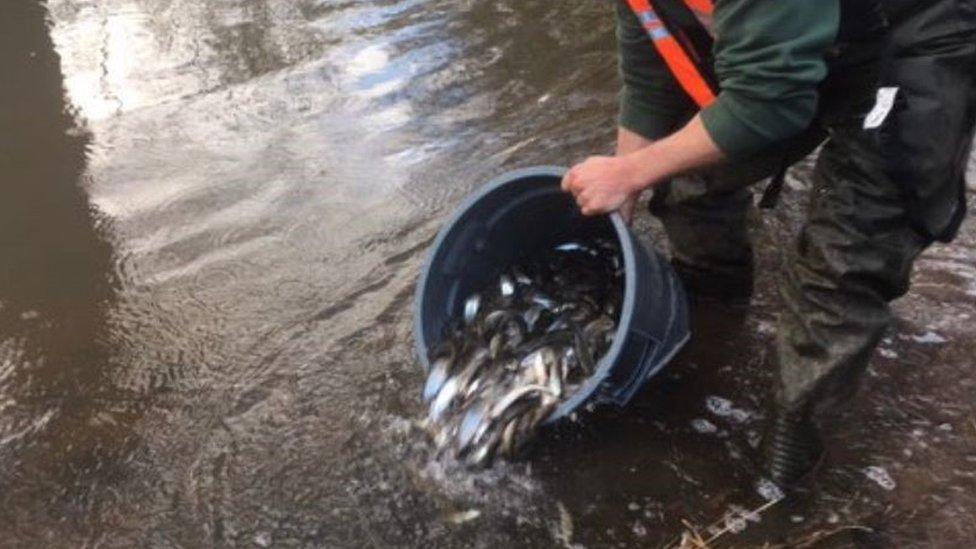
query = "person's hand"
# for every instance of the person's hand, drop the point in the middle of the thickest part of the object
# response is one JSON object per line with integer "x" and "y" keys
{"x": 603, "y": 184}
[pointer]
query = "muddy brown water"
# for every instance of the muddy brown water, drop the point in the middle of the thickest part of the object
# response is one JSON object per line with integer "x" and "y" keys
{"x": 212, "y": 215}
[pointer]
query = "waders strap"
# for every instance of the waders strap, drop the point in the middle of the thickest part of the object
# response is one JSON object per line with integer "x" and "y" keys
{"x": 678, "y": 60}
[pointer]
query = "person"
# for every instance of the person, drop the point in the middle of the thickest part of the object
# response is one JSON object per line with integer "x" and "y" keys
{"x": 887, "y": 87}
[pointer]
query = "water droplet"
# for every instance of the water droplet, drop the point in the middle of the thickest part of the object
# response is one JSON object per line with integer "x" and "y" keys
{"x": 880, "y": 476}
{"x": 263, "y": 539}
{"x": 463, "y": 516}
{"x": 929, "y": 337}
{"x": 769, "y": 490}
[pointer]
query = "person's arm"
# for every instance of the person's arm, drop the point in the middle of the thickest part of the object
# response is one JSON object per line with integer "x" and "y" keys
{"x": 652, "y": 104}
{"x": 770, "y": 60}
{"x": 603, "y": 184}
{"x": 629, "y": 142}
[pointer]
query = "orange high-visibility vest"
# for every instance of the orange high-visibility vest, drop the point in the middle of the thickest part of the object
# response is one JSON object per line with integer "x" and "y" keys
{"x": 678, "y": 61}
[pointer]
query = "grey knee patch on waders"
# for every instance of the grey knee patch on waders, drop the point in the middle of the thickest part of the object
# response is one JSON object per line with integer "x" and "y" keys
{"x": 707, "y": 228}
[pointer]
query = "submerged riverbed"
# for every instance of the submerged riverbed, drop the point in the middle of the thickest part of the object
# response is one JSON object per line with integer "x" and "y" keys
{"x": 213, "y": 216}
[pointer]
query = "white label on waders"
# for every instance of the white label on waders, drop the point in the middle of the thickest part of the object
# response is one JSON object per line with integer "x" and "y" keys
{"x": 882, "y": 106}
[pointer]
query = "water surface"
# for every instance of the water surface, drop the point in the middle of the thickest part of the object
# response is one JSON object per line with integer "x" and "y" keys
{"x": 213, "y": 215}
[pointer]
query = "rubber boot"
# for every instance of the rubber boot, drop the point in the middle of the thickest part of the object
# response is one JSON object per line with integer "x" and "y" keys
{"x": 793, "y": 449}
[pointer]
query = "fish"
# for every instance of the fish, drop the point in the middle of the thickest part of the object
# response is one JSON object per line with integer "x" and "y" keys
{"x": 436, "y": 377}
{"x": 532, "y": 315}
{"x": 598, "y": 328}
{"x": 443, "y": 399}
{"x": 495, "y": 318}
{"x": 534, "y": 366}
{"x": 522, "y": 344}
{"x": 495, "y": 345}
{"x": 506, "y": 287}
{"x": 555, "y": 377}
{"x": 521, "y": 278}
{"x": 544, "y": 301}
{"x": 471, "y": 307}
{"x": 570, "y": 247}
{"x": 470, "y": 424}
{"x": 508, "y": 436}
{"x": 484, "y": 452}
{"x": 512, "y": 397}
{"x": 478, "y": 359}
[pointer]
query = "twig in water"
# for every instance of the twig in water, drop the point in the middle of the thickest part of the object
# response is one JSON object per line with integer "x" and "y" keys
{"x": 565, "y": 534}
{"x": 692, "y": 539}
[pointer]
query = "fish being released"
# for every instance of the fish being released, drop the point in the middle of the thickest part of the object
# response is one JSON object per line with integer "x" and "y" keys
{"x": 521, "y": 346}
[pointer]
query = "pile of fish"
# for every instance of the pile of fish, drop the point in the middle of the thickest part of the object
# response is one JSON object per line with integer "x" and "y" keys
{"x": 524, "y": 344}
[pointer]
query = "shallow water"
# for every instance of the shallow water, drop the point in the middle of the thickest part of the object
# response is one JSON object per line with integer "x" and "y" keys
{"x": 213, "y": 216}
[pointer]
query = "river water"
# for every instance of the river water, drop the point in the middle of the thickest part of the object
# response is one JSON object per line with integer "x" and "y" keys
{"x": 213, "y": 216}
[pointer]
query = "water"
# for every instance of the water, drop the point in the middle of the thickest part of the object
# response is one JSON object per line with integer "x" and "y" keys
{"x": 213, "y": 215}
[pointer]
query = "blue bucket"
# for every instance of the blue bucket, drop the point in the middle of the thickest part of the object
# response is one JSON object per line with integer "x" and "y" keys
{"x": 525, "y": 210}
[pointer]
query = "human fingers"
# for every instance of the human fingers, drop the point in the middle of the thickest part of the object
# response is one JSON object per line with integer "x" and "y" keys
{"x": 568, "y": 180}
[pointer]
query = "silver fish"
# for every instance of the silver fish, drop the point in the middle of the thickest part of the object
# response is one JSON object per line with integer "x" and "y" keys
{"x": 508, "y": 436}
{"x": 495, "y": 318}
{"x": 443, "y": 399}
{"x": 478, "y": 358}
{"x": 483, "y": 428}
{"x": 436, "y": 377}
{"x": 598, "y": 326}
{"x": 571, "y": 247}
{"x": 555, "y": 381}
{"x": 495, "y": 345}
{"x": 544, "y": 301}
{"x": 514, "y": 396}
{"x": 521, "y": 278}
{"x": 514, "y": 339}
{"x": 531, "y": 316}
{"x": 483, "y": 454}
{"x": 521, "y": 347}
{"x": 474, "y": 419}
{"x": 562, "y": 322}
{"x": 472, "y": 387}
{"x": 535, "y": 366}
{"x": 471, "y": 307}
{"x": 506, "y": 287}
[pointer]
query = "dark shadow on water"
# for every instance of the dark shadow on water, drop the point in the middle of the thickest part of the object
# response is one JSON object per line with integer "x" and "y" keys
{"x": 65, "y": 424}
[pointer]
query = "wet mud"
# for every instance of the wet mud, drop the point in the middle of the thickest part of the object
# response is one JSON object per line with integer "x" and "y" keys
{"x": 213, "y": 216}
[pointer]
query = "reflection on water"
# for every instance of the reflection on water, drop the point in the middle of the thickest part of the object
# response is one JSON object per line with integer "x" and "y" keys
{"x": 66, "y": 424}
{"x": 213, "y": 215}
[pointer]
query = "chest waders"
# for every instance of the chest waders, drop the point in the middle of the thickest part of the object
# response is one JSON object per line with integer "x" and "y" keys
{"x": 898, "y": 109}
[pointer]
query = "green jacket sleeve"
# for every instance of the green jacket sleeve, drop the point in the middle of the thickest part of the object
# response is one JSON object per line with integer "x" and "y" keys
{"x": 769, "y": 58}
{"x": 651, "y": 102}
